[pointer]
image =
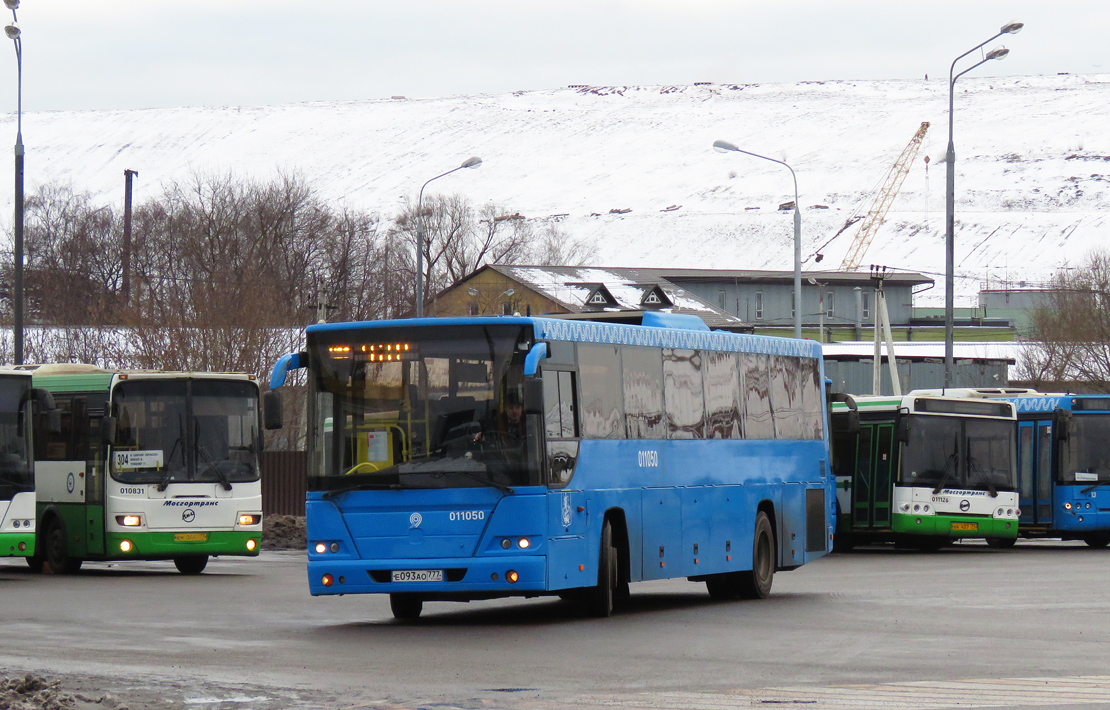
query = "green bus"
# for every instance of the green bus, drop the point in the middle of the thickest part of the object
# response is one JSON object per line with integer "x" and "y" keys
{"x": 925, "y": 469}
{"x": 17, "y": 478}
{"x": 147, "y": 465}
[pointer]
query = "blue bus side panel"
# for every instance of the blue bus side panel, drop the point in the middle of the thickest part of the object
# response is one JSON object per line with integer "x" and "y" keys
{"x": 661, "y": 511}
{"x": 793, "y": 527}
{"x": 571, "y": 554}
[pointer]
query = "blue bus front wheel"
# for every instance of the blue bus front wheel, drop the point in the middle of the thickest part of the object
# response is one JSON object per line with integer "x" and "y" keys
{"x": 599, "y": 599}
{"x": 406, "y": 607}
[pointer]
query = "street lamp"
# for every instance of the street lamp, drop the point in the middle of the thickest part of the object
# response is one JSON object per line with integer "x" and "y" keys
{"x": 13, "y": 33}
{"x": 950, "y": 194}
{"x": 725, "y": 145}
{"x": 468, "y": 163}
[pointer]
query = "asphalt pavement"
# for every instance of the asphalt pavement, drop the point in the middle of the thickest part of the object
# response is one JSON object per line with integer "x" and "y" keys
{"x": 969, "y": 626}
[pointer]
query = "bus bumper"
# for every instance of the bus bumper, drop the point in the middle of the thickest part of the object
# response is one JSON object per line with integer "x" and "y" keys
{"x": 166, "y": 545}
{"x": 954, "y": 525}
{"x": 468, "y": 577}
{"x": 20, "y": 544}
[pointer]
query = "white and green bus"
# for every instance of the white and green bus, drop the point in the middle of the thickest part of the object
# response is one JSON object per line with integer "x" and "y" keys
{"x": 925, "y": 469}
{"x": 147, "y": 465}
{"x": 17, "y": 476}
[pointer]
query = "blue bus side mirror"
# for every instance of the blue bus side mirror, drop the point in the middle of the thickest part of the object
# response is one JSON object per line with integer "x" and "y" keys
{"x": 533, "y": 396}
{"x": 108, "y": 429}
{"x": 532, "y": 360}
{"x": 273, "y": 415}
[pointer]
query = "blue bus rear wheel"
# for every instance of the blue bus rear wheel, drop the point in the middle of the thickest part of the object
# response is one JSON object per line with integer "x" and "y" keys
{"x": 756, "y": 584}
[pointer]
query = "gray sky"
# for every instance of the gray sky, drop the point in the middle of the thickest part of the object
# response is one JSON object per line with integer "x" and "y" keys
{"x": 109, "y": 54}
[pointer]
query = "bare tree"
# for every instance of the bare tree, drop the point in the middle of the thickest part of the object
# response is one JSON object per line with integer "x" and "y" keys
{"x": 458, "y": 240}
{"x": 1071, "y": 330}
{"x": 554, "y": 247}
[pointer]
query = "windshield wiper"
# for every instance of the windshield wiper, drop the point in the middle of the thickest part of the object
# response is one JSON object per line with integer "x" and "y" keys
{"x": 168, "y": 478}
{"x": 947, "y": 472}
{"x": 1090, "y": 488}
{"x": 507, "y": 490}
{"x": 974, "y": 465}
{"x": 363, "y": 486}
{"x": 212, "y": 466}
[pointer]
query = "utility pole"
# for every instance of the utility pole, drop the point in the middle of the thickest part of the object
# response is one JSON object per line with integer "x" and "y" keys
{"x": 128, "y": 176}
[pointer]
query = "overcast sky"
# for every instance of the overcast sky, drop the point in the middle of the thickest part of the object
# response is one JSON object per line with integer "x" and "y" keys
{"x": 111, "y": 54}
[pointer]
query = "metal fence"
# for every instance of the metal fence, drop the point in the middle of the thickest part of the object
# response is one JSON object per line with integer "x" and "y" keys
{"x": 283, "y": 482}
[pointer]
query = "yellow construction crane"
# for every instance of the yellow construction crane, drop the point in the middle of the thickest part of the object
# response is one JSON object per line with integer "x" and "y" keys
{"x": 888, "y": 190}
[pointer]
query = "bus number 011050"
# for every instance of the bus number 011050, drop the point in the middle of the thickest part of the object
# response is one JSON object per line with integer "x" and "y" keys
{"x": 649, "y": 459}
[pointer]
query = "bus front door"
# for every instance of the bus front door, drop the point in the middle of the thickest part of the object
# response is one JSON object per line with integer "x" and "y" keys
{"x": 871, "y": 484}
{"x": 1035, "y": 473}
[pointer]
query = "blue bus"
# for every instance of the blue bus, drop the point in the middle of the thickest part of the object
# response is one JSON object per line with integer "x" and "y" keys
{"x": 1063, "y": 465}
{"x": 475, "y": 458}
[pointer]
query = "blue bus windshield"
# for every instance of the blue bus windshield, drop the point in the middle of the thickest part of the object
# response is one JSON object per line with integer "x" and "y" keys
{"x": 1086, "y": 455}
{"x": 428, "y": 407}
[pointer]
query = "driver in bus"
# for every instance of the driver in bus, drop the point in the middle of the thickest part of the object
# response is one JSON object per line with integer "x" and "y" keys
{"x": 504, "y": 435}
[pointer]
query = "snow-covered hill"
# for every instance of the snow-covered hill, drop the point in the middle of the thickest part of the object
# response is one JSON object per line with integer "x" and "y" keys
{"x": 1032, "y": 181}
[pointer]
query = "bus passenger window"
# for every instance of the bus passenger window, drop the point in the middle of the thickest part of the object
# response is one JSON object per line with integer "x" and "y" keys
{"x": 756, "y": 379}
{"x": 642, "y": 375}
{"x": 786, "y": 397}
{"x": 602, "y": 410}
{"x": 682, "y": 383}
{"x": 813, "y": 395}
{"x": 559, "y": 409}
{"x": 721, "y": 378}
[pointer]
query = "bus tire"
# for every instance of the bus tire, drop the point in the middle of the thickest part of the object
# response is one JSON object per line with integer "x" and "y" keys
{"x": 598, "y": 601}
{"x": 1097, "y": 540}
{"x": 35, "y": 563}
{"x": 931, "y": 544}
{"x": 1001, "y": 543}
{"x": 756, "y": 583}
{"x": 406, "y": 607}
{"x": 57, "y": 549}
{"x": 843, "y": 542}
{"x": 190, "y": 564}
{"x": 724, "y": 586}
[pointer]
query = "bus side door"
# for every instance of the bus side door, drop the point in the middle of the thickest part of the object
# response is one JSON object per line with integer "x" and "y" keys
{"x": 1035, "y": 472}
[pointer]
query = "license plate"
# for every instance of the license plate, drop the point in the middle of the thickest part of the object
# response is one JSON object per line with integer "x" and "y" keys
{"x": 417, "y": 575}
{"x": 190, "y": 537}
{"x": 965, "y": 526}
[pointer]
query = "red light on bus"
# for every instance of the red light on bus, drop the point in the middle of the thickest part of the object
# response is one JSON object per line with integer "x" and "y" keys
{"x": 327, "y": 580}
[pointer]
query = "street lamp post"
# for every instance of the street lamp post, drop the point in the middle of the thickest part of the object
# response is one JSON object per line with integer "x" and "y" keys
{"x": 13, "y": 33}
{"x": 468, "y": 163}
{"x": 821, "y": 308}
{"x": 950, "y": 194}
{"x": 725, "y": 145}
